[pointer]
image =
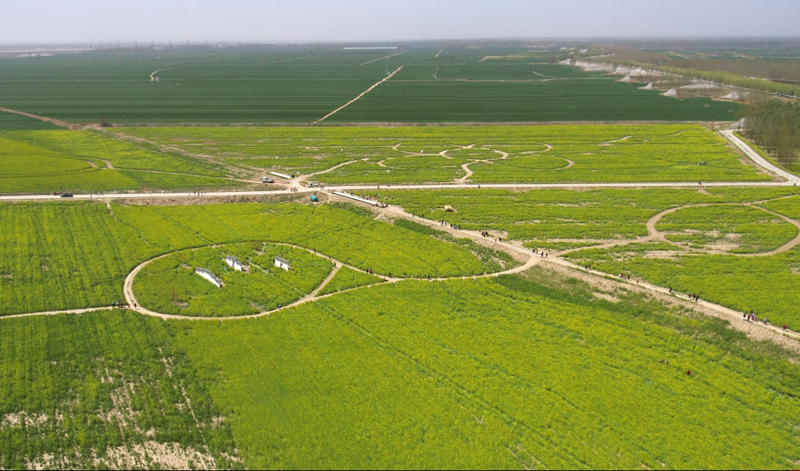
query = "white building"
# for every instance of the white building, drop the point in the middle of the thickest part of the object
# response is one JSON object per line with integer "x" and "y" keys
{"x": 281, "y": 263}
{"x": 234, "y": 263}
{"x": 282, "y": 175}
{"x": 206, "y": 273}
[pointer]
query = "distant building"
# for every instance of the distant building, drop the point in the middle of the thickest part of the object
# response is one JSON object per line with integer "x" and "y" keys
{"x": 234, "y": 263}
{"x": 212, "y": 278}
{"x": 281, "y": 263}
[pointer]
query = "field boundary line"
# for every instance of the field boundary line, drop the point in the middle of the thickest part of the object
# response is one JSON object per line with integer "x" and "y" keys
{"x": 57, "y": 122}
{"x": 359, "y": 96}
{"x": 56, "y": 313}
{"x": 384, "y": 57}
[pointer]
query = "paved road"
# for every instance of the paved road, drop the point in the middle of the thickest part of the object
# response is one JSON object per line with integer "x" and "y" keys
{"x": 756, "y": 157}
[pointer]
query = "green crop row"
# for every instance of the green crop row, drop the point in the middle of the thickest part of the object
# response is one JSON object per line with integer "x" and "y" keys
{"x": 105, "y": 390}
{"x": 500, "y": 374}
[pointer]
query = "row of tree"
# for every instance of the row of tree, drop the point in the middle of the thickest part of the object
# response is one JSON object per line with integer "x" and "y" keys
{"x": 775, "y": 126}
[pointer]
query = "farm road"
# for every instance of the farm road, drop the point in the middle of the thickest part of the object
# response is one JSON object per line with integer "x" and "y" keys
{"x": 57, "y": 122}
{"x": 358, "y": 97}
{"x": 755, "y": 330}
{"x": 441, "y": 186}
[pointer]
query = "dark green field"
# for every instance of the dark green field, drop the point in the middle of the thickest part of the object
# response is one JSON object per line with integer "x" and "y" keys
{"x": 303, "y": 84}
{"x": 15, "y": 122}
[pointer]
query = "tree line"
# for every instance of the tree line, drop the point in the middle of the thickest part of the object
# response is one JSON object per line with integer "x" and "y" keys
{"x": 775, "y": 126}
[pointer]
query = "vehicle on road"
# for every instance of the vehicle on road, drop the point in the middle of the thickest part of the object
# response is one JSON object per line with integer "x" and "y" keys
{"x": 67, "y": 195}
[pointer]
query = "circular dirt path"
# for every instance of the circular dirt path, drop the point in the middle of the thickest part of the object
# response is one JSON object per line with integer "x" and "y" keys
{"x": 655, "y": 235}
{"x": 131, "y": 299}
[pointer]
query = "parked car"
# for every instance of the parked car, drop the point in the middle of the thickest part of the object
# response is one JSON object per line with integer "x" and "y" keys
{"x": 267, "y": 180}
{"x": 67, "y": 195}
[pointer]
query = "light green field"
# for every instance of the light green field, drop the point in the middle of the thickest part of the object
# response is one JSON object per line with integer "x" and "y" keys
{"x": 347, "y": 278}
{"x": 65, "y": 256}
{"x": 536, "y": 370}
{"x": 497, "y": 374}
{"x": 734, "y": 229}
{"x": 169, "y": 285}
{"x": 707, "y": 256}
{"x": 88, "y": 161}
{"x": 525, "y": 154}
{"x": 105, "y": 390}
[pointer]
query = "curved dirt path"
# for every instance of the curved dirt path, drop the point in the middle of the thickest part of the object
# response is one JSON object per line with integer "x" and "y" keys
{"x": 467, "y": 172}
{"x": 131, "y": 299}
{"x": 302, "y": 178}
{"x": 153, "y": 73}
{"x": 754, "y": 330}
{"x": 109, "y": 165}
{"x": 656, "y": 235}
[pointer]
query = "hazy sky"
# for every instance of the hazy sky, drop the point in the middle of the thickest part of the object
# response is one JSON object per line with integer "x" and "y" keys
{"x": 47, "y": 21}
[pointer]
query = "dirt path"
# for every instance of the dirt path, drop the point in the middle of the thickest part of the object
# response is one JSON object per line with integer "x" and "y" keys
{"x": 388, "y": 77}
{"x": 57, "y": 122}
{"x": 432, "y": 186}
{"x": 467, "y": 172}
{"x": 754, "y": 330}
{"x": 438, "y": 54}
{"x": 303, "y": 178}
{"x": 656, "y": 235}
{"x": 153, "y": 73}
{"x": 168, "y": 148}
{"x": 57, "y": 313}
{"x": 382, "y": 58}
{"x": 92, "y": 164}
{"x": 324, "y": 283}
{"x": 109, "y": 165}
